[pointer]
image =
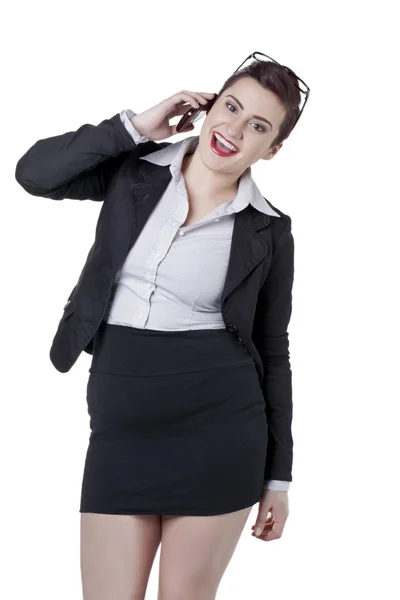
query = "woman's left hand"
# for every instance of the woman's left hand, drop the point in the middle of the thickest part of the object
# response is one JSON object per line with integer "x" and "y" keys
{"x": 277, "y": 503}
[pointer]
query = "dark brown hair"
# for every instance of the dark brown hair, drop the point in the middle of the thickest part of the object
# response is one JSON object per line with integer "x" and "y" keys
{"x": 274, "y": 77}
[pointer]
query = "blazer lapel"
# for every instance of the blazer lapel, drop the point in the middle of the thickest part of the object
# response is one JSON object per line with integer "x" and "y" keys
{"x": 248, "y": 247}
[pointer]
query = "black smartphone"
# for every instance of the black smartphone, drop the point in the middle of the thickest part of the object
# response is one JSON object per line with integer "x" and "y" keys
{"x": 194, "y": 114}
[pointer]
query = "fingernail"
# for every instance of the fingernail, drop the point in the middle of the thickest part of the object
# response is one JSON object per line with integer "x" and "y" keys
{"x": 258, "y": 531}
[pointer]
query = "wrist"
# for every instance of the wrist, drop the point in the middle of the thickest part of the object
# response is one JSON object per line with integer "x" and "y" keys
{"x": 135, "y": 120}
{"x": 127, "y": 119}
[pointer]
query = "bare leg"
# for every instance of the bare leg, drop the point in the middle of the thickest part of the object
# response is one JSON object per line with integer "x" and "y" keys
{"x": 117, "y": 553}
{"x": 195, "y": 553}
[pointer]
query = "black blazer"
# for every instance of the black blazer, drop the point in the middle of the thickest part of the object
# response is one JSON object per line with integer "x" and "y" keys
{"x": 102, "y": 163}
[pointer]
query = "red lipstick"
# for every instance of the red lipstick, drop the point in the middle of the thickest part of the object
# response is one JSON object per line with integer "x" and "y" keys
{"x": 218, "y": 150}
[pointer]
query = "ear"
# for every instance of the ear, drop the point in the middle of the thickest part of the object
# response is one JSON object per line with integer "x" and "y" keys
{"x": 270, "y": 153}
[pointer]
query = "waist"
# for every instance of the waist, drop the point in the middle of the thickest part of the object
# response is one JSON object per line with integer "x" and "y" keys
{"x": 127, "y": 350}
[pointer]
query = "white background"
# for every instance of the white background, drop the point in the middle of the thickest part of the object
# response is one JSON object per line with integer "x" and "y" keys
{"x": 66, "y": 64}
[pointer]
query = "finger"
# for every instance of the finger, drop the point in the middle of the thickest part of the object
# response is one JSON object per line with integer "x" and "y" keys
{"x": 266, "y": 529}
{"x": 268, "y": 523}
{"x": 185, "y": 96}
{"x": 269, "y": 536}
{"x": 270, "y": 533}
{"x": 178, "y": 110}
{"x": 274, "y": 533}
{"x": 202, "y": 100}
{"x": 208, "y": 95}
{"x": 201, "y": 97}
{"x": 175, "y": 104}
{"x": 268, "y": 520}
{"x": 181, "y": 103}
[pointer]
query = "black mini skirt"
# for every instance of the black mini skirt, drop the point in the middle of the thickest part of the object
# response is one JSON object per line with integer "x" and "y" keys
{"x": 178, "y": 423}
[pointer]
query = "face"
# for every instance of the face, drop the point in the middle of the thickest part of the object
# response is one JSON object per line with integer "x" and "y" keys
{"x": 233, "y": 118}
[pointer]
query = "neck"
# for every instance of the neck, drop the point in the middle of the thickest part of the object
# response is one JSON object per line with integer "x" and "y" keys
{"x": 204, "y": 182}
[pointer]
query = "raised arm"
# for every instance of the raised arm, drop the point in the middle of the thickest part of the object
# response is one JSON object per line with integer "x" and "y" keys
{"x": 78, "y": 164}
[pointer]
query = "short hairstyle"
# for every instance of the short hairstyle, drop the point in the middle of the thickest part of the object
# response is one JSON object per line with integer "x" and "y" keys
{"x": 274, "y": 77}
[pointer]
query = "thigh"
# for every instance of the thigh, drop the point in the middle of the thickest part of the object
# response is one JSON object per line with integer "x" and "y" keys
{"x": 117, "y": 553}
{"x": 195, "y": 551}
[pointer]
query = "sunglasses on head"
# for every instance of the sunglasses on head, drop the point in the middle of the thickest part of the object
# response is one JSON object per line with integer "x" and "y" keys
{"x": 194, "y": 114}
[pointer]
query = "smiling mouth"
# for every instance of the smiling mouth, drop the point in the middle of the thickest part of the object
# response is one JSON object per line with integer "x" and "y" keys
{"x": 219, "y": 149}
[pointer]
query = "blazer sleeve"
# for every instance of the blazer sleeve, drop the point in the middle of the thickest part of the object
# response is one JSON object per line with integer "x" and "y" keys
{"x": 270, "y": 335}
{"x": 78, "y": 164}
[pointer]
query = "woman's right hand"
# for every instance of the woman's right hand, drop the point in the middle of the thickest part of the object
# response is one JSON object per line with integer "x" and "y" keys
{"x": 154, "y": 122}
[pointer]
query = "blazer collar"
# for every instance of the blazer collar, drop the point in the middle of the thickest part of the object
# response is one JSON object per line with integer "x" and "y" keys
{"x": 248, "y": 193}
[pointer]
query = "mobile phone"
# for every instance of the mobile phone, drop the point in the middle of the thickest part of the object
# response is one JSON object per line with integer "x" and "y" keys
{"x": 194, "y": 114}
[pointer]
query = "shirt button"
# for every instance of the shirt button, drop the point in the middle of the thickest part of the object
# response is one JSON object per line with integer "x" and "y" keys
{"x": 149, "y": 285}
{"x": 216, "y": 220}
{"x": 181, "y": 233}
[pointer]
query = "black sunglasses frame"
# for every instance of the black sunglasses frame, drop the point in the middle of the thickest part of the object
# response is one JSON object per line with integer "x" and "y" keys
{"x": 192, "y": 114}
{"x": 291, "y": 73}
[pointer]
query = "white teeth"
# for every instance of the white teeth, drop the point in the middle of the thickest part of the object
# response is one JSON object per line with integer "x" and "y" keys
{"x": 225, "y": 143}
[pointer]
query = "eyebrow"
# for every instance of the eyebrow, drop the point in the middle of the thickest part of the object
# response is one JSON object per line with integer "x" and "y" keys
{"x": 255, "y": 116}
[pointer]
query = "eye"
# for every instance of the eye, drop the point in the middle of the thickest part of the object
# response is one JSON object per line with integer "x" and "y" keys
{"x": 261, "y": 128}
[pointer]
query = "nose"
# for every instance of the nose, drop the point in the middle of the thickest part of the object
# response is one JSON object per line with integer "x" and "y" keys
{"x": 234, "y": 129}
{"x": 234, "y": 133}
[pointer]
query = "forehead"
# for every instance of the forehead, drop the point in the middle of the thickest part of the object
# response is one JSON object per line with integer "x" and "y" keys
{"x": 257, "y": 100}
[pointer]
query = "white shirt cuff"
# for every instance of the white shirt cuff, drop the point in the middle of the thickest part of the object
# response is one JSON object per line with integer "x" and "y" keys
{"x": 126, "y": 115}
{"x": 275, "y": 484}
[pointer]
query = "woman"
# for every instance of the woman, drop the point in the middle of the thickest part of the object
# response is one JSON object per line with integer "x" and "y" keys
{"x": 190, "y": 425}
